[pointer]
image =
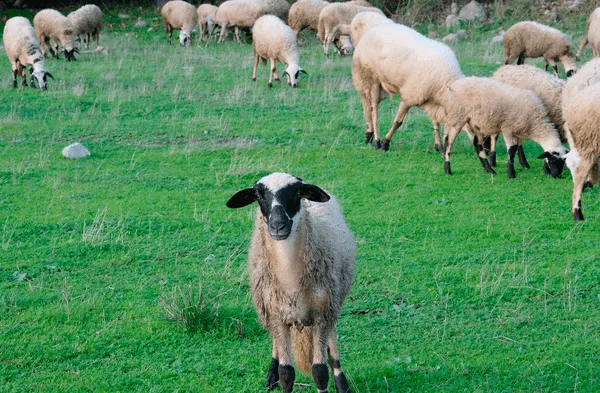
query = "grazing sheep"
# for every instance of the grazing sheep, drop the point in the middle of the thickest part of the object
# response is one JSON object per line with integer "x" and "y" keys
{"x": 52, "y": 25}
{"x": 274, "y": 40}
{"x": 279, "y": 8}
{"x": 487, "y": 107}
{"x": 582, "y": 114}
{"x": 238, "y": 13}
{"x": 394, "y": 59}
{"x": 304, "y": 14}
{"x": 301, "y": 263}
{"x": 592, "y": 34}
{"x": 336, "y": 14}
{"x": 365, "y": 21}
{"x": 23, "y": 49}
{"x": 207, "y": 15}
{"x": 179, "y": 15}
{"x": 87, "y": 20}
{"x": 532, "y": 39}
{"x": 546, "y": 86}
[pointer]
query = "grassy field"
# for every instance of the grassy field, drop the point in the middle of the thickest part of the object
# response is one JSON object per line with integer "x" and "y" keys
{"x": 470, "y": 282}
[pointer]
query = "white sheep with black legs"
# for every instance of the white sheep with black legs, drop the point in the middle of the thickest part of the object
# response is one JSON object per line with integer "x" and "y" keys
{"x": 301, "y": 263}
{"x": 274, "y": 40}
{"x": 394, "y": 59}
{"x": 87, "y": 21}
{"x": 532, "y": 39}
{"x": 23, "y": 50}
{"x": 487, "y": 107}
{"x": 179, "y": 15}
{"x": 51, "y": 25}
{"x": 592, "y": 34}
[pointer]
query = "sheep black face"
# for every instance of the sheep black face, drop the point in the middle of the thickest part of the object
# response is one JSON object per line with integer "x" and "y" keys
{"x": 70, "y": 54}
{"x": 555, "y": 162}
{"x": 293, "y": 74}
{"x": 184, "y": 39}
{"x": 40, "y": 75}
{"x": 279, "y": 197}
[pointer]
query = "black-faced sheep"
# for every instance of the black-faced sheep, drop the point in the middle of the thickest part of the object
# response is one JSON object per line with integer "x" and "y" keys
{"x": 52, "y": 25}
{"x": 301, "y": 263}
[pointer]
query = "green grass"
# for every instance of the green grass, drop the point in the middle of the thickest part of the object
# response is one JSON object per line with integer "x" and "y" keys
{"x": 464, "y": 283}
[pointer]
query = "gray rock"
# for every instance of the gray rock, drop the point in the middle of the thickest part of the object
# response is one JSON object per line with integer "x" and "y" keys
{"x": 499, "y": 39}
{"x": 451, "y": 38}
{"x": 452, "y": 21}
{"x": 150, "y": 29}
{"x": 160, "y": 3}
{"x": 454, "y": 8}
{"x": 461, "y": 34}
{"x": 473, "y": 11}
{"x": 75, "y": 150}
{"x": 124, "y": 16}
{"x": 140, "y": 24}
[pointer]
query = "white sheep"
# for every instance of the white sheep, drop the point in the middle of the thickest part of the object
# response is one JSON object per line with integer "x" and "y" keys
{"x": 239, "y": 14}
{"x": 544, "y": 85}
{"x": 592, "y": 34}
{"x": 23, "y": 49}
{"x": 179, "y": 15}
{"x": 87, "y": 20}
{"x": 279, "y": 8}
{"x": 207, "y": 15}
{"x": 394, "y": 59}
{"x": 532, "y": 39}
{"x": 364, "y": 21}
{"x": 487, "y": 107}
{"x": 274, "y": 40}
{"x": 334, "y": 15}
{"x": 304, "y": 14}
{"x": 301, "y": 262}
{"x": 52, "y": 25}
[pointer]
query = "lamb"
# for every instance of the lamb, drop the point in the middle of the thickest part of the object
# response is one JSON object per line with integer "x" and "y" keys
{"x": 546, "y": 86}
{"x": 52, "y": 25}
{"x": 487, "y": 107}
{"x": 394, "y": 59}
{"x": 301, "y": 262}
{"x": 274, "y": 40}
{"x": 179, "y": 15}
{"x": 23, "y": 49}
{"x": 592, "y": 34}
{"x": 305, "y": 14}
{"x": 207, "y": 15}
{"x": 532, "y": 39}
{"x": 363, "y": 22}
{"x": 336, "y": 14}
{"x": 87, "y": 20}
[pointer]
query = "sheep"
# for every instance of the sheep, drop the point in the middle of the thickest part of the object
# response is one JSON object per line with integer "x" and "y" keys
{"x": 487, "y": 107}
{"x": 87, "y": 20}
{"x": 52, "y": 25}
{"x": 274, "y": 40}
{"x": 23, "y": 49}
{"x": 301, "y": 262}
{"x": 239, "y": 13}
{"x": 546, "y": 86}
{"x": 336, "y": 14}
{"x": 592, "y": 34}
{"x": 279, "y": 8}
{"x": 532, "y": 39}
{"x": 179, "y": 15}
{"x": 305, "y": 14}
{"x": 207, "y": 15}
{"x": 392, "y": 59}
{"x": 363, "y": 22}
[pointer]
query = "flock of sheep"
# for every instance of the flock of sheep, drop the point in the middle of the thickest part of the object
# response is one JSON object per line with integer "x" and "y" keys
{"x": 302, "y": 254}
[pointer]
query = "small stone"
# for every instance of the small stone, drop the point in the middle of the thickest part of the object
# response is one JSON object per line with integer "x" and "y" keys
{"x": 454, "y": 8}
{"x": 75, "y": 150}
{"x": 150, "y": 29}
{"x": 140, "y": 24}
{"x": 452, "y": 21}
{"x": 124, "y": 16}
{"x": 473, "y": 11}
{"x": 461, "y": 34}
{"x": 499, "y": 39}
{"x": 450, "y": 38}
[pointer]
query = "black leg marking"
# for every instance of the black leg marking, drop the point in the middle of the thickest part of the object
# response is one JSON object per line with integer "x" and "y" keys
{"x": 486, "y": 166}
{"x": 493, "y": 158}
{"x": 385, "y": 146}
{"x": 321, "y": 376}
{"x": 341, "y": 383}
{"x": 546, "y": 168}
{"x": 270, "y": 85}
{"x": 378, "y": 145}
{"x": 369, "y": 137}
{"x": 522, "y": 158}
{"x": 510, "y": 165}
{"x": 447, "y": 167}
{"x": 578, "y": 215}
{"x": 273, "y": 375}
{"x": 439, "y": 148}
{"x": 253, "y": 79}
{"x": 287, "y": 375}
{"x": 588, "y": 184}
{"x": 521, "y": 60}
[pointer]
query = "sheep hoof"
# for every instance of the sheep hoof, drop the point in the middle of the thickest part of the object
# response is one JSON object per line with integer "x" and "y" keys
{"x": 253, "y": 79}
{"x": 577, "y": 215}
{"x": 341, "y": 383}
{"x": 378, "y": 145}
{"x": 24, "y": 84}
{"x": 277, "y": 80}
{"x": 273, "y": 375}
{"x": 270, "y": 85}
{"x": 439, "y": 149}
{"x": 385, "y": 146}
{"x": 369, "y": 137}
{"x": 588, "y": 184}
{"x": 511, "y": 173}
{"x": 447, "y": 167}
{"x": 486, "y": 166}
{"x": 15, "y": 84}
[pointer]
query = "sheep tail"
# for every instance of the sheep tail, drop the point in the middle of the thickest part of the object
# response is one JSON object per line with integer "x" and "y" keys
{"x": 302, "y": 348}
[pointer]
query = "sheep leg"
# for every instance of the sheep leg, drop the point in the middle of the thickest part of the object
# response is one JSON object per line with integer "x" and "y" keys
{"x": 31, "y": 78}
{"x": 272, "y": 72}
{"x": 273, "y": 373}
{"x": 594, "y": 174}
{"x": 169, "y": 33}
{"x": 319, "y": 370}
{"x": 374, "y": 101}
{"x": 326, "y": 43}
{"x": 283, "y": 345}
{"x": 437, "y": 139}
{"x": 522, "y": 158}
{"x": 23, "y": 72}
{"x": 581, "y": 173}
{"x": 584, "y": 43}
{"x": 510, "y": 164}
{"x": 521, "y": 59}
{"x": 200, "y": 31}
{"x": 15, "y": 72}
{"x": 480, "y": 151}
{"x": 223, "y": 32}
{"x": 256, "y": 60}
{"x": 400, "y": 115}
{"x": 452, "y": 134}
{"x": 339, "y": 379}
{"x": 56, "y": 49}
{"x": 367, "y": 115}
{"x": 96, "y": 37}
{"x": 236, "y": 31}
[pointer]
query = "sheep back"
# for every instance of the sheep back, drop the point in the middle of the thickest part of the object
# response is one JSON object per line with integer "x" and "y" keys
{"x": 180, "y": 15}
{"x": 363, "y": 21}
{"x": 86, "y": 20}
{"x": 273, "y": 39}
{"x": 336, "y": 14}
{"x": 20, "y": 41}
{"x": 305, "y": 14}
{"x": 533, "y": 39}
{"x": 241, "y": 13}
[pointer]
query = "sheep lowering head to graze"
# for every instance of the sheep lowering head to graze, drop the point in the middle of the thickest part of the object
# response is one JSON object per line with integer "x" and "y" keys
{"x": 179, "y": 15}
{"x": 52, "y": 25}
{"x": 23, "y": 49}
{"x": 592, "y": 34}
{"x": 301, "y": 263}
{"x": 487, "y": 107}
{"x": 532, "y": 39}
{"x": 274, "y": 40}
{"x": 87, "y": 20}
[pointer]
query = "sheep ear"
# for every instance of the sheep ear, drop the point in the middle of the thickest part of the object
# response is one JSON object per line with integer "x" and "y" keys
{"x": 242, "y": 198}
{"x": 313, "y": 193}
{"x": 544, "y": 155}
{"x": 303, "y": 72}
